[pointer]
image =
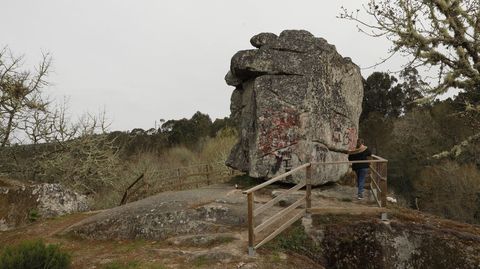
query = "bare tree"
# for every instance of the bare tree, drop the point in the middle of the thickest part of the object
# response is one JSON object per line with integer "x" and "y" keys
{"x": 20, "y": 92}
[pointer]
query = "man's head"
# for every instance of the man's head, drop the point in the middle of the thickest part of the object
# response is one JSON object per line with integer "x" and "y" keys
{"x": 360, "y": 142}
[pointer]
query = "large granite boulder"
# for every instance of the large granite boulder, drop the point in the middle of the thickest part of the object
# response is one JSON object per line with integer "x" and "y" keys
{"x": 296, "y": 100}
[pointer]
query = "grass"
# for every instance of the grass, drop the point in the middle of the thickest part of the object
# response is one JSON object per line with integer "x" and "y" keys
{"x": 296, "y": 240}
{"x": 219, "y": 240}
{"x": 132, "y": 245}
{"x": 205, "y": 261}
{"x": 34, "y": 254}
{"x": 33, "y": 215}
{"x": 201, "y": 261}
{"x": 275, "y": 257}
{"x": 122, "y": 265}
{"x": 132, "y": 265}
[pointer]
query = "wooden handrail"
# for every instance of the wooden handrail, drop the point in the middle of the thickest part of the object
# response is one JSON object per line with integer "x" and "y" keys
{"x": 275, "y": 179}
{"x": 380, "y": 198}
{"x": 379, "y": 158}
{"x": 375, "y": 196}
{"x": 376, "y": 185}
{"x": 277, "y": 199}
{"x": 282, "y": 228}
{"x": 377, "y": 173}
{"x": 348, "y": 162}
{"x": 279, "y": 215}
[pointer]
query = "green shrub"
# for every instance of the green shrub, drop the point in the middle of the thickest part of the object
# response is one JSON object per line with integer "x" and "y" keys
{"x": 295, "y": 239}
{"x": 33, "y": 255}
{"x": 451, "y": 190}
{"x": 33, "y": 215}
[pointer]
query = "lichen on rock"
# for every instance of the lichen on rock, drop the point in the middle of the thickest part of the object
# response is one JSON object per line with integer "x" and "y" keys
{"x": 21, "y": 204}
{"x": 296, "y": 100}
{"x": 55, "y": 200}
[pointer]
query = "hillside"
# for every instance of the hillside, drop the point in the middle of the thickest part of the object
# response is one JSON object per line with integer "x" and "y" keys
{"x": 205, "y": 228}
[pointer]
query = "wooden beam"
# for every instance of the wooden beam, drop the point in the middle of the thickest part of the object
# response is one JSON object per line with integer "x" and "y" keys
{"x": 275, "y": 200}
{"x": 275, "y": 179}
{"x": 375, "y": 196}
{"x": 278, "y": 216}
{"x": 376, "y": 185}
{"x": 308, "y": 195}
{"x": 126, "y": 193}
{"x": 347, "y": 162}
{"x": 383, "y": 184}
{"x": 348, "y": 210}
{"x": 376, "y": 172}
{"x": 251, "y": 234}
{"x": 379, "y": 158}
{"x": 281, "y": 228}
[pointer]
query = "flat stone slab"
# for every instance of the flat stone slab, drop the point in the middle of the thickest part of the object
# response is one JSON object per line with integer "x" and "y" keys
{"x": 205, "y": 210}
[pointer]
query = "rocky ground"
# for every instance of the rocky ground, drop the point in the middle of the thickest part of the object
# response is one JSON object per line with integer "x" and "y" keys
{"x": 205, "y": 228}
{"x": 23, "y": 202}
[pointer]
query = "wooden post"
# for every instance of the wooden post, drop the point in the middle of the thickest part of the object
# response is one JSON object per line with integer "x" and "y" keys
{"x": 383, "y": 183}
{"x": 208, "y": 173}
{"x": 125, "y": 195}
{"x": 308, "y": 195}
{"x": 251, "y": 235}
{"x": 179, "y": 184}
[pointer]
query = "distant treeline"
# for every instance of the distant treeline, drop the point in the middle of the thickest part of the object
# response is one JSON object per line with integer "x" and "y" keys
{"x": 185, "y": 132}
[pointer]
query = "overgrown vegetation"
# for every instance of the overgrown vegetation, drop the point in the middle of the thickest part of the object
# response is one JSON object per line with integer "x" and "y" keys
{"x": 411, "y": 135}
{"x": 40, "y": 142}
{"x": 295, "y": 239}
{"x": 34, "y": 255}
{"x": 441, "y": 37}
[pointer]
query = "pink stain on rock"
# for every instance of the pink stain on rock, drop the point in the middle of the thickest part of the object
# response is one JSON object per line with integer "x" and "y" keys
{"x": 278, "y": 130}
{"x": 350, "y": 138}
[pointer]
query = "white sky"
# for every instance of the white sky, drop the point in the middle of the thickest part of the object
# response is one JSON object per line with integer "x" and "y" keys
{"x": 145, "y": 60}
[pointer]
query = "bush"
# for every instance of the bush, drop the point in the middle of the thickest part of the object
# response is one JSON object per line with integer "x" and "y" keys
{"x": 33, "y": 255}
{"x": 450, "y": 190}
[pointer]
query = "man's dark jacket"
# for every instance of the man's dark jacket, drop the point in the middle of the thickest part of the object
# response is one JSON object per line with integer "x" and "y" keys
{"x": 360, "y": 156}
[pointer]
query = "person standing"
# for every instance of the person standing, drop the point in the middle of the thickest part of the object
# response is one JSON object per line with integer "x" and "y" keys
{"x": 361, "y": 153}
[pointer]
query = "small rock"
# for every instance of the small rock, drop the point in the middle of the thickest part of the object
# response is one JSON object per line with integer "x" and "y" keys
{"x": 3, "y": 225}
{"x": 391, "y": 199}
{"x": 262, "y": 39}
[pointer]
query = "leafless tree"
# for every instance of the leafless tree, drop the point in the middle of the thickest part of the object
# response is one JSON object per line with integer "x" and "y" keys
{"x": 20, "y": 92}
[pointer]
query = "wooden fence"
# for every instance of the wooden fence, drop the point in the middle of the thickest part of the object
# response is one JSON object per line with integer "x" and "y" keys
{"x": 179, "y": 178}
{"x": 302, "y": 206}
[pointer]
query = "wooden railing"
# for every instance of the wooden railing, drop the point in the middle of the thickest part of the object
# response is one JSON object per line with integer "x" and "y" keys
{"x": 378, "y": 181}
{"x": 179, "y": 178}
{"x": 303, "y": 205}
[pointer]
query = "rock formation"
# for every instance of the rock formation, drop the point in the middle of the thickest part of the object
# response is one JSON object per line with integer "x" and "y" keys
{"x": 158, "y": 217}
{"x": 21, "y": 204}
{"x": 296, "y": 100}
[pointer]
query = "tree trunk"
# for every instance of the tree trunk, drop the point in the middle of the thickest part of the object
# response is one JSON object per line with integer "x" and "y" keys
{"x": 8, "y": 130}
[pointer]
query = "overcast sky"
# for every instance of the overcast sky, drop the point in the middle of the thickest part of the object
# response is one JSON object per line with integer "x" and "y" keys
{"x": 145, "y": 60}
